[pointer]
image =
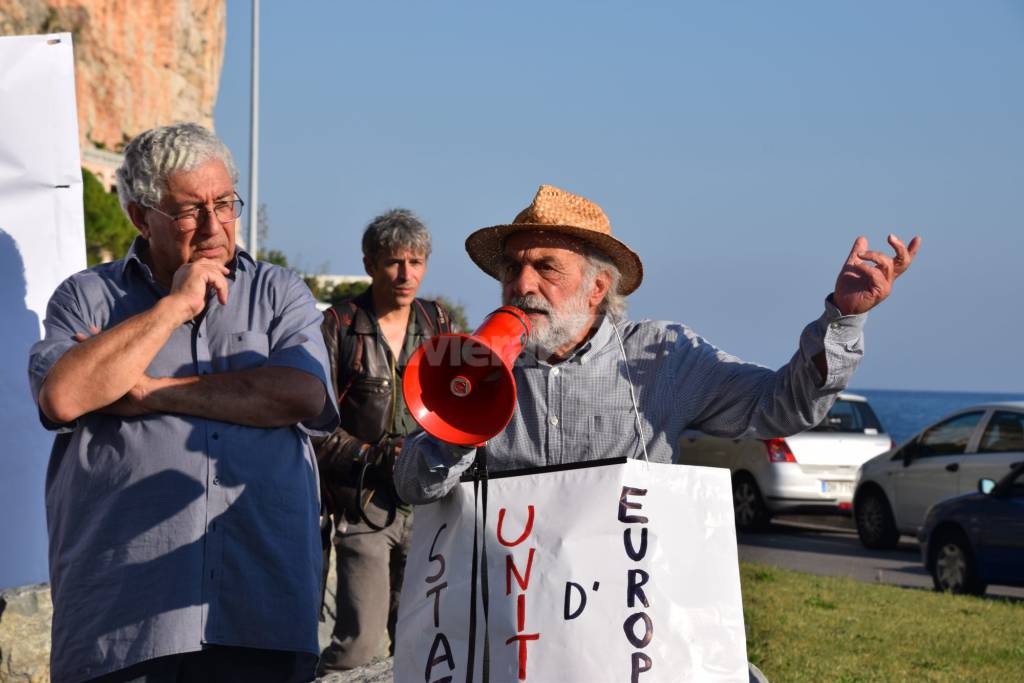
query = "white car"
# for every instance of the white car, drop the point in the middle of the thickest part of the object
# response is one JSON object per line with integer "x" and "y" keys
{"x": 814, "y": 471}
{"x": 895, "y": 490}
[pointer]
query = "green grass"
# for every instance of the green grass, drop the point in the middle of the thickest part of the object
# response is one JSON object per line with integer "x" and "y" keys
{"x": 802, "y": 627}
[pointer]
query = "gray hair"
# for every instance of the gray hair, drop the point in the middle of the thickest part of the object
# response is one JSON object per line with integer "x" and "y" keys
{"x": 614, "y": 304}
{"x": 155, "y": 155}
{"x": 393, "y": 231}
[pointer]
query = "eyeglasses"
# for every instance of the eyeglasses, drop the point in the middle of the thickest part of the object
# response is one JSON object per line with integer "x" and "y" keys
{"x": 191, "y": 219}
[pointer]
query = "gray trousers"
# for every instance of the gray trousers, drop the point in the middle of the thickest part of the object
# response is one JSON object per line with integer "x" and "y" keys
{"x": 370, "y": 566}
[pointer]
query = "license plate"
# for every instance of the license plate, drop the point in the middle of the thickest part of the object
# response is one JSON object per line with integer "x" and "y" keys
{"x": 837, "y": 488}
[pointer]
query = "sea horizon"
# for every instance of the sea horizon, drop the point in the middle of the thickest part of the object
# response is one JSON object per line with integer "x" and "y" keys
{"x": 905, "y": 412}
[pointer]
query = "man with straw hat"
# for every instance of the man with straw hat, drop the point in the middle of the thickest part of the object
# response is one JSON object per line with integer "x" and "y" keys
{"x": 592, "y": 384}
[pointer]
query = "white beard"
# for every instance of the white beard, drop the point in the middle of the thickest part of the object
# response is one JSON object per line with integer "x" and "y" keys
{"x": 559, "y": 327}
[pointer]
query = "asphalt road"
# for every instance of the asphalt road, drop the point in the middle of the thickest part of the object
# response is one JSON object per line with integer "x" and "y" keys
{"x": 829, "y": 546}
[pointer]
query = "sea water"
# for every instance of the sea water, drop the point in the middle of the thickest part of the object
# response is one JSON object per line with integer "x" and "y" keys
{"x": 905, "y": 413}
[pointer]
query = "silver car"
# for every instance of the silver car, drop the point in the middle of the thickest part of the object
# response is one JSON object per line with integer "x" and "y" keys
{"x": 814, "y": 471}
{"x": 895, "y": 490}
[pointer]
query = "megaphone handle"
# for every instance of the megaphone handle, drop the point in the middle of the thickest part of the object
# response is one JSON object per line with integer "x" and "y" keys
{"x": 478, "y": 566}
{"x": 479, "y": 468}
{"x": 481, "y": 457}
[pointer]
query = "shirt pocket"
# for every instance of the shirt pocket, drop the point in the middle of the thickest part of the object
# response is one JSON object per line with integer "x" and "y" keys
{"x": 246, "y": 350}
{"x": 613, "y": 435}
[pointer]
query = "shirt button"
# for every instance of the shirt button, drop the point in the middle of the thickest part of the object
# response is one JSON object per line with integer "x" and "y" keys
{"x": 554, "y": 372}
{"x": 216, "y": 436}
{"x": 835, "y": 326}
{"x": 216, "y": 481}
{"x": 553, "y": 421}
{"x": 583, "y": 360}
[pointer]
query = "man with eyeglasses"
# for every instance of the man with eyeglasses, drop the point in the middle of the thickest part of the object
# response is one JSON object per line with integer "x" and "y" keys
{"x": 183, "y": 382}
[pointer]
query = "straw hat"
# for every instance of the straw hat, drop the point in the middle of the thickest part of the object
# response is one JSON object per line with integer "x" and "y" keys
{"x": 557, "y": 211}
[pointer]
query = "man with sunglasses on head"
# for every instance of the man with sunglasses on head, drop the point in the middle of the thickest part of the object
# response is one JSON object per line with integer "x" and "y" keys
{"x": 183, "y": 382}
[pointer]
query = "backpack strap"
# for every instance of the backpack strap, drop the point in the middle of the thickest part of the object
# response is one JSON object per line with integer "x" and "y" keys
{"x": 444, "y": 323}
{"x": 344, "y": 320}
{"x": 437, "y": 319}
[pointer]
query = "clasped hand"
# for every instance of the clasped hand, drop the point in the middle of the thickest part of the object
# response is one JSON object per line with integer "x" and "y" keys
{"x": 193, "y": 282}
{"x": 190, "y": 287}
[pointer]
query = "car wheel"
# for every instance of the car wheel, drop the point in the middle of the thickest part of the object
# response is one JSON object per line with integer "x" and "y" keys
{"x": 875, "y": 524}
{"x": 952, "y": 564}
{"x": 748, "y": 505}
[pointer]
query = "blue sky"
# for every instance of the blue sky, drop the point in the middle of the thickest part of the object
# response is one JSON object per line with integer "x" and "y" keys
{"x": 738, "y": 147}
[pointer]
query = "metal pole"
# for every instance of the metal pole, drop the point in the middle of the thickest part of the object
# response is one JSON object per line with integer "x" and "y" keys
{"x": 254, "y": 131}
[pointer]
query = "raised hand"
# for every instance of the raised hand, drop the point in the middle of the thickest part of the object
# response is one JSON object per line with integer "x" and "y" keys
{"x": 867, "y": 276}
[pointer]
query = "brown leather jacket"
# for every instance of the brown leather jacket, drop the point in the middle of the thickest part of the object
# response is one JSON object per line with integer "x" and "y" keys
{"x": 365, "y": 385}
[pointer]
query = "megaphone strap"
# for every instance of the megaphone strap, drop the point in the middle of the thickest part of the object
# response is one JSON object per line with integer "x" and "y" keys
{"x": 360, "y": 491}
{"x": 479, "y": 558}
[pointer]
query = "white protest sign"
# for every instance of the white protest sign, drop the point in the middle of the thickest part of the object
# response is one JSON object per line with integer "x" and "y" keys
{"x": 42, "y": 241}
{"x": 615, "y": 572}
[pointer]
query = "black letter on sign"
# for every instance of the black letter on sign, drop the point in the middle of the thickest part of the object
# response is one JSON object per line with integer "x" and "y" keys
{"x": 627, "y": 540}
{"x": 630, "y": 623}
{"x": 436, "y": 592}
{"x": 569, "y": 585}
{"x": 440, "y": 639}
{"x": 625, "y": 505}
{"x": 436, "y": 558}
{"x": 639, "y": 657}
{"x": 635, "y": 589}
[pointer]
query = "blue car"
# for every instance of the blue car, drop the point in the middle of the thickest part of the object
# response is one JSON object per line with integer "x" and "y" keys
{"x": 976, "y": 539}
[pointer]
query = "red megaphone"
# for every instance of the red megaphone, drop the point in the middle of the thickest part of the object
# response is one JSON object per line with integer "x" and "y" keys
{"x": 459, "y": 387}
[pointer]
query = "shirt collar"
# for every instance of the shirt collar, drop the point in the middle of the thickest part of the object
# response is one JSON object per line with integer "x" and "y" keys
{"x": 597, "y": 341}
{"x": 135, "y": 251}
{"x": 242, "y": 261}
{"x": 369, "y": 324}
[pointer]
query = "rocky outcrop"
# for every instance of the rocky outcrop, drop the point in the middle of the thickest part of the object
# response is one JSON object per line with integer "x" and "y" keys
{"x": 25, "y": 615}
{"x": 138, "y": 63}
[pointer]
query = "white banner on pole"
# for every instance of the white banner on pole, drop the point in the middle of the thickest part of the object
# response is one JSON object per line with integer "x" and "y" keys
{"x": 42, "y": 241}
{"x": 613, "y": 572}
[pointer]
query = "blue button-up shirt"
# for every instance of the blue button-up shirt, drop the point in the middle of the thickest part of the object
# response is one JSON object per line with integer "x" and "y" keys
{"x": 171, "y": 531}
{"x": 583, "y": 408}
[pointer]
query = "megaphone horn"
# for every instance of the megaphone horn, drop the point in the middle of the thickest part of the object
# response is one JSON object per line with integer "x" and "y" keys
{"x": 459, "y": 387}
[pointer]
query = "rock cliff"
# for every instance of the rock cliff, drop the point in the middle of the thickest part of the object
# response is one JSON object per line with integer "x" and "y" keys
{"x": 138, "y": 63}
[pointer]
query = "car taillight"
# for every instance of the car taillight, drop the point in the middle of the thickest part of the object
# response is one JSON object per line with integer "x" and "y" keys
{"x": 892, "y": 444}
{"x": 778, "y": 451}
